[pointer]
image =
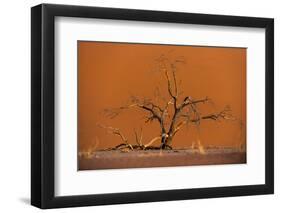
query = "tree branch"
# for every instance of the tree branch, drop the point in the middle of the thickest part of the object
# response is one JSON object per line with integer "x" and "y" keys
{"x": 152, "y": 141}
{"x": 224, "y": 114}
{"x": 116, "y": 131}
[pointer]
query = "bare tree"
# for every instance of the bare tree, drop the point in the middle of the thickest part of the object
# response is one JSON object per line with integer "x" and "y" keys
{"x": 175, "y": 112}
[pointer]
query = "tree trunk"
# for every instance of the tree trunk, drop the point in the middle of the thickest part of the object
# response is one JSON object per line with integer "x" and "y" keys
{"x": 163, "y": 140}
{"x": 169, "y": 140}
{"x": 166, "y": 141}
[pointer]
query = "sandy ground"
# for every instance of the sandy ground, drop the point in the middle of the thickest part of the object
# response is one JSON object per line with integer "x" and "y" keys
{"x": 154, "y": 158}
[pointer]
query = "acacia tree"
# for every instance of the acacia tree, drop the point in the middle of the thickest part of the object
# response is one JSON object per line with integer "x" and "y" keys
{"x": 174, "y": 113}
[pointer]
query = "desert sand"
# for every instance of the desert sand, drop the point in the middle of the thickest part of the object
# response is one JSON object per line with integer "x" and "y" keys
{"x": 116, "y": 159}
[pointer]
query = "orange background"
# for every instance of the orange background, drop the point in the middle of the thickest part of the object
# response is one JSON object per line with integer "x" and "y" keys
{"x": 109, "y": 73}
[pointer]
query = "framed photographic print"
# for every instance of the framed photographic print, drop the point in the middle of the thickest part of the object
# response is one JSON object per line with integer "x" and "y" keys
{"x": 139, "y": 106}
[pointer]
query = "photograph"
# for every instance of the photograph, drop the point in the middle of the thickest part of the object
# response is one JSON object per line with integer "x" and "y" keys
{"x": 144, "y": 105}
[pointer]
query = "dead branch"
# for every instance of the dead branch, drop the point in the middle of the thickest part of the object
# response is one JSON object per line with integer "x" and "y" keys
{"x": 116, "y": 131}
{"x": 138, "y": 139}
{"x": 224, "y": 114}
{"x": 125, "y": 145}
{"x": 152, "y": 141}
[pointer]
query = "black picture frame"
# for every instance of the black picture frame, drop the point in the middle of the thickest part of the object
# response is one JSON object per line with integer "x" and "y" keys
{"x": 43, "y": 102}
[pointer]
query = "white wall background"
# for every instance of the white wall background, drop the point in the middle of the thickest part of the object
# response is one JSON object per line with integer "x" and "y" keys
{"x": 15, "y": 105}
